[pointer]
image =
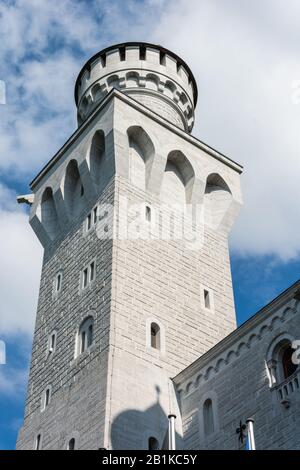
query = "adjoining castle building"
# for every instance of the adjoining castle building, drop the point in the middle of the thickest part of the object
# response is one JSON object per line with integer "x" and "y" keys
{"x": 136, "y": 319}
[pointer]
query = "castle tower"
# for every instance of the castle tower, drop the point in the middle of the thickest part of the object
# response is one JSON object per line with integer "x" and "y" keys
{"x": 126, "y": 299}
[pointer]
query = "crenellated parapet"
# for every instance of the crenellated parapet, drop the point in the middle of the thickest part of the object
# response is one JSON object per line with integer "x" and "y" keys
{"x": 151, "y": 74}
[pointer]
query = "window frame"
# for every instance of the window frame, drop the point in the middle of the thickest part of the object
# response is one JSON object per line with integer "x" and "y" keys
{"x": 273, "y": 361}
{"x": 162, "y": 339}
{"x": 91, "y": 219}
{"x": 211, "y": 395}
{"x": 57, "y": 291}
{"x": 207, "y": 296}
{"x": 88, "y": 275}
{"x": 51, "y": 349}
{"x": 85, "y": 336}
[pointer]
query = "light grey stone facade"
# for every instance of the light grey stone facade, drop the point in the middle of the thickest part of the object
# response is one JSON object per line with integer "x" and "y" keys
{"x": 236, "y": 376}
{"x": 132, "y": 150}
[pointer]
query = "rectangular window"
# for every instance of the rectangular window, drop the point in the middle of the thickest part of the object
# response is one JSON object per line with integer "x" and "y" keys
{"x": 91, "y": 219}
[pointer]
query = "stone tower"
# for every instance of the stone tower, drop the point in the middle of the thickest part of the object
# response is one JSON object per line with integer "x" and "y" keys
{"x": 126, "y": 301}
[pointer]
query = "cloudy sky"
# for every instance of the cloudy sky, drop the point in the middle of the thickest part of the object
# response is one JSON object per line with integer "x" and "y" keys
{"x": 245, "y": 57}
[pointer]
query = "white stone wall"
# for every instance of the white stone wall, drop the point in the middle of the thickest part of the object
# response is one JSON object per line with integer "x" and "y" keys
{"x": 119, "y": 393}
{"x": 161, "y": 83}
{"x": 235, "y": 376}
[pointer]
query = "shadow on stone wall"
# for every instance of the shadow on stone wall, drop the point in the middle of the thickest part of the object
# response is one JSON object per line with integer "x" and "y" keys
{"x": 132, "y": 428}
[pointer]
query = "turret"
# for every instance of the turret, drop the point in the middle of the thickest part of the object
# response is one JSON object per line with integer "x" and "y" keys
{"x": 151, "y": 74}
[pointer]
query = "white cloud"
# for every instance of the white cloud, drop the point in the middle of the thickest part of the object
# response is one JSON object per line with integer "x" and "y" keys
{"x": 12, "y": 382}
{"x": 244, "y": 56}
{"x": 21, "y": 256}
{"x": 244, "y": 59}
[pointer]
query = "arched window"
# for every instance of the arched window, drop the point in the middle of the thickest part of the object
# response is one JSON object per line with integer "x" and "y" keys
{"x": 71, "y": 444}
{"x": 155, "y": 336}
{"x": 208, "y": 417}
{"x": 85, "y": 335}
{"x": 153, "y": 443}
{"x": 280, "y": 360}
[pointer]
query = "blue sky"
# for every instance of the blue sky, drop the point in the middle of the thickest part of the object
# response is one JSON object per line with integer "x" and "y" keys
{"x": 245, "y": 58}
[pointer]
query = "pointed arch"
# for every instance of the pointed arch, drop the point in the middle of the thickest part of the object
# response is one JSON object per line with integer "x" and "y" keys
{"x": 96, "y": 157}
{"x": 178, "y": 179}
{"x": 141, "y": 155}
{"x": 217, "y": 199}
{"x": 49, "y": 216}
{"x": 73, "y": 188}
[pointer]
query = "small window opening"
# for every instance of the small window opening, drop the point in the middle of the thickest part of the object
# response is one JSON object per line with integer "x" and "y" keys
{"x": 208, "y": 417}
{"x": 153, "y": 443}
{"x": 71, "y": 444}
{"x": 148, "y": 214}
{"x": 38, "y": 442}
{"x": 47, "y": 397}
{"x": 95, "y": 213}
{"x": 92, "y": 271}
{"x": 52, "y": 343}
{"x": 206, "y": 299}
{"x": 83, "y": 335}
{"x": 85, "y": 277}
{"x": 58, "y": 282}
{"x": 155, "y": 336}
